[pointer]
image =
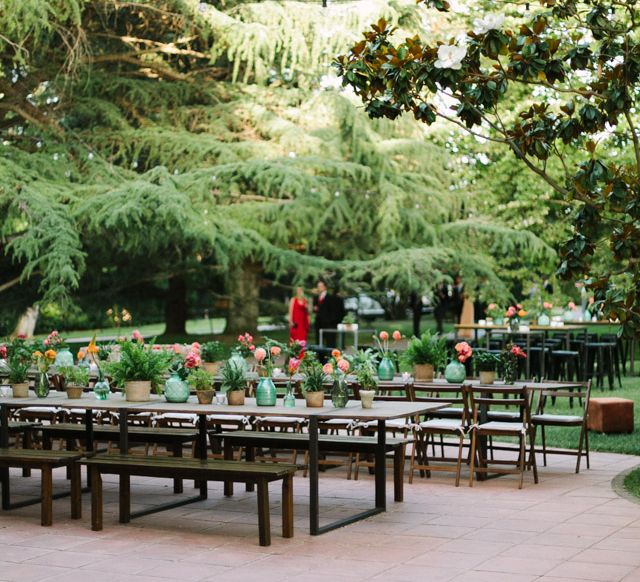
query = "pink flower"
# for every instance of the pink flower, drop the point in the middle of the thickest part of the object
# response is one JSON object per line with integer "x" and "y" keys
{"x": 547, "y": 305}
{"x": 22, "y": 336}
{"x": 195, "y": 346}
{"x": 327, "y": 368}
{"x": 518, "y": 305}
{"x": 294, "y": 364}
{"x": 136, "y": 336}
{"x": 492, "y": 306}
{"x": 275, "y": 350}
{"x": 3, "y": 352}
{"x": 343, "y": 365}
{"x": 518, "y": 352}
{"x": 384, "y": 336}
{"x": 571, "y": 305}
{"x": 260, "y": 354}
{"x": 177, "y": 348}
{"x": 46, "y": 342}
{"x": 252, "y": 348}
{"x": 192, "y": 360}
{"x": 397, "y": 336}
{"x": 511, "y": 311}
{"x": 302, "y": 343}
{"x": 156, "y": 348}
{"x": 464, "y": 351}
{"x": 240, "y": 338}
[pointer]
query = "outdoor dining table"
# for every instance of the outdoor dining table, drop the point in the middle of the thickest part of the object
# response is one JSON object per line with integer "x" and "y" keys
{"x": 381, "y": 412}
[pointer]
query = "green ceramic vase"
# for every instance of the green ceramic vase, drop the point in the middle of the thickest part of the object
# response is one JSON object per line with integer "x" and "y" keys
{"x": 386, "y": 369}
{"x": 266, "y": 394}
{"x": 176, "y": 389}
{"x": 455, "y": 372}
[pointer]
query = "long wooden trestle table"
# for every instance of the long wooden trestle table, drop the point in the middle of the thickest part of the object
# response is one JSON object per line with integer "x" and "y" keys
{"x": 380, "y": 413}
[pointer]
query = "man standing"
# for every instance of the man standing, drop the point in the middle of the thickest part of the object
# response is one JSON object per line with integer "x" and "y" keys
{"x": 329, "y": 310}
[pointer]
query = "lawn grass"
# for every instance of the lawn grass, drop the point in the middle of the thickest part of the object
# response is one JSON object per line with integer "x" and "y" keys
{"x": 632, "y": 482}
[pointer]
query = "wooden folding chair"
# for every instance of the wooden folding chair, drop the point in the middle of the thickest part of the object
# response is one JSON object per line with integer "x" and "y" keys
{"x": 542, "y": 419}
{"x": 481, "y": 399}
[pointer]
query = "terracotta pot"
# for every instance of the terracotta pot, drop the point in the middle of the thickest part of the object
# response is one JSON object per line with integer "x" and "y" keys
{"x": 20, "y": 390}
{"x": 74, "y": 392}
{"x": 211, "y": 367}
{"x": 314, "y": 399}
{"x": 366, "y": 397}
{"x": 235, "y": 397}
{"x": 205, "y": 396}
{"x": 423, "y": 372}
{"x": 487, "y": 377}
{"x": 139, "y": 391}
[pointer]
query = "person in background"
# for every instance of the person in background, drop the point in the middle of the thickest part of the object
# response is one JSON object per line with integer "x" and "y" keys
{"x": 329, "y": 311}
{"x": 457, "y": 298}
{"x": 298, "y": 316}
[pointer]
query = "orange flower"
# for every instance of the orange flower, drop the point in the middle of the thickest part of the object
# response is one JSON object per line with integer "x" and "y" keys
{"x": 37, "y": 354}
{"x": 50, "y": 354}
{"x": 80, "y": 355}
{"x": 336, "y": 353}
{"x": 522, "y": 313}
{"x": 92, "y": 348}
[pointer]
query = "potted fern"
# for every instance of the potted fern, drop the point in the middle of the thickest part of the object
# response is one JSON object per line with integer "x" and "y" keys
{"x": 234, "y": 381}
{"x": 367, "y": 383}
{"x": 486, "y": 365}
{"x": 75, "y": 380}
{"x": 202, "y": 382}
{"x": 139, "y": 369}
{"x": 212, "y": 354}
{"x": 426, "y": 354}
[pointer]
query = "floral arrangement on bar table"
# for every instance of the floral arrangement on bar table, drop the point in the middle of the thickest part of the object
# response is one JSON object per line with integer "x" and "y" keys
{"x": 515, "y": 313}
{"x": 17, "y": 355}
{"x": 176, "y": 388}
{"x": 243, "y": 349}
{"x": 337, "y": 367}
{"x": 456, "y": 371}
{"x": 54, "y": 341}
{"x": 510, "y": 358}
{"x": 266, "y": 394}
{"x": 43, "y": 362}
{"x": 495, "y": 314}
{"x": 293, "y": 365}
{"x": 386, "y": 367}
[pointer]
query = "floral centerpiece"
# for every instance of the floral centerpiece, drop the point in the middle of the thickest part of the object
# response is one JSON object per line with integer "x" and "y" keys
{"x": 495, "y": 314}
{"x": 202, "y": 382}
{"x": 266, "y": 394}
{"x": 515, "y": 313}
{"x": 337, "y": 367}
{"x": 243, "y": 350}
{"x": 314, "y": 380}
{"x": 212, "y": 354}
{"x": 426, "y": 354}
{"x": 386, "y": 368}
{"x": 17, "y": 355}
{"x": 43, "y": 362}
{"x": 544, "y": 313}
{"x": 176, "y": 388}
{"x": 510, "y": 359}
{"x": 99, "y": 354}
{"x": 456, "y": 372}
{"x": 293, "y": 365}
{"x": 75, "y": 380}
{"x": 54, "y": 341}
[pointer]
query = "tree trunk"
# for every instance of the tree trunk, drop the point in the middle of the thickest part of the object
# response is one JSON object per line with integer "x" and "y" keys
{"x": 26, "y": 325}
{"x": 175, "y": 315}
{"x": 243, "y": 287}
{"x": 416, "y": 308}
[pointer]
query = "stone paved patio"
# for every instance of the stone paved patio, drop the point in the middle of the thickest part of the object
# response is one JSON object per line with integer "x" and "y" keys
{"x": 569, "y": 527}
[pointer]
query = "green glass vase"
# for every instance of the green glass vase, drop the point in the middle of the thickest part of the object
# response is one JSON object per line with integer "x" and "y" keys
{"x": 339, "y": 392}
{"x": 101, "y": 389}
{"x": 176, "y": 389}
{"x": 455, "y": 372}
{"x": 237, "y": 361}
{"x": 289, "y": 398}
{"x": 41, "y": 387}
{"x": 64, "y": 359}
{"x": 386, "y": 369}
{"x": 266, "y": 394}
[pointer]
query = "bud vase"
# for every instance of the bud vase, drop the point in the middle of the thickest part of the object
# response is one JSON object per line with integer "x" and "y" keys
{"x": 266, "y": 393}
{"x": 289, "y": 398}
{"x": 455, "y": 372}
{"x": 41, "y": 387}
{"x": 386, "y": 369}
{"x": 64, "y": 358}
{"x": 510, "y": 369}
{"x": 339, "y": 392}
{"x": 101, "y": 389}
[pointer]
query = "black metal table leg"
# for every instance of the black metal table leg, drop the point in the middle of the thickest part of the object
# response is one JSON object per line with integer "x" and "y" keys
{"x": 88, "y": 423}
{"x": 4, "y": 443}
{"x": 202, "y": 450}
{"x": 314, "y": 509}
{"x": 381, "y": 467}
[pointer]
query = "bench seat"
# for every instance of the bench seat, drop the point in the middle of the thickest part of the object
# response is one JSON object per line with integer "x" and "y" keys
{"x": 202, "y": 470}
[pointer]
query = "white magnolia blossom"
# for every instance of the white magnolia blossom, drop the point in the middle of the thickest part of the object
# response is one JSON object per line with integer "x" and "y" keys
{"x": 450, "y": 56}
{"x": 489, "y": 22}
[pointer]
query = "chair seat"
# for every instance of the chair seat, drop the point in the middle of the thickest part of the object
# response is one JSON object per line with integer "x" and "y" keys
{"x": 449, "y": 412}
{"x": 443, "y": 424}
{"x": 503, "y": 415}
{"x": 497, "y": 426}
{"x": 51, "y": 409}
{"x": 222, "y": 418}
{"x": 280, "y": 419}
{"x": 393, "y": 424}
{"x": 555, "y": 419}
{"x": 177, "y": 417}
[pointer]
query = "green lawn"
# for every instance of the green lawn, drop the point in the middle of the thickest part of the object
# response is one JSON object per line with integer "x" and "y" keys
{"x": 632, "y": 482}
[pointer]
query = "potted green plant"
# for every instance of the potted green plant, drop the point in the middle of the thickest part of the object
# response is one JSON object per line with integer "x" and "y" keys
{"x": 234, "y": 381}
{"x": 368, "y": 384}
{"x": 314, "y": 382}
{"x": 486, "y": 365}
{"x": 202, "y": 382}
{"x": 212, "y": 353}
{"x": 349, "y": 322}
{"x": 140, "y": 367}
{"x": 426, "y": 354}
{"x": 17, "y": 372}
{"x": 76, "y": 379}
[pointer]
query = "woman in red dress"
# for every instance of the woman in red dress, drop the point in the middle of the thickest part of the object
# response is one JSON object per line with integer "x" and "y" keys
{"x": 298, "y": 316}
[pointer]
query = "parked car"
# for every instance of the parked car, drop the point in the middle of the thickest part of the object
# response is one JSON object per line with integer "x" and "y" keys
{"x": 364, "y": 307}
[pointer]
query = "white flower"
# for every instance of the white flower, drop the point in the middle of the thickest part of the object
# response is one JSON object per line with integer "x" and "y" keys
{"x": 489, "y": 22}
{"x": 450, "y": 56}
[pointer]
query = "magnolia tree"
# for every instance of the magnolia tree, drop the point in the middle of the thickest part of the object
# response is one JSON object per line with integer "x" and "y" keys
{"x": 572, "y": 68}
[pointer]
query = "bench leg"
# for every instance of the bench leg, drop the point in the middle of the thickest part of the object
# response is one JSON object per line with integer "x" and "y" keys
{"x": 6, "y": 495}
{"x": 27, "y": 443}
{"x": 287, "y": 507}
{"x": 96, "y": 499}
{"x": 47, "y": 495}
{"x": 264, "y": 525}
{"x": 398, "y": 474}
{"x": 76, "y": 491}
{"x": 250, "y": 456}
{"x": 228, "y": 456}
{"x": 125, "y": 498}
{"x": 177, "y": 483}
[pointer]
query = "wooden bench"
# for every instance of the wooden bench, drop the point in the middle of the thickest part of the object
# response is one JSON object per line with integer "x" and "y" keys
{"x": 173, "y": 438}
{"x": 202, "y": 470}
{"x": 326, "y": 443}
{"x": 46, "y": 461}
